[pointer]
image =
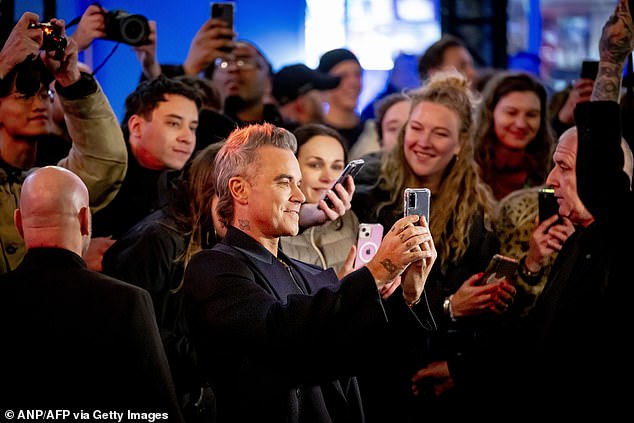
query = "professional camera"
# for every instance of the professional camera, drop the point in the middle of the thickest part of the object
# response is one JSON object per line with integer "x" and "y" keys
{"x": 53, "y": 39}
{"x": 126, "y": 28}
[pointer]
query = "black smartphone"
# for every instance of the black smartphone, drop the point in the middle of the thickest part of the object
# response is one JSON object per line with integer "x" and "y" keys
{"x": 589, "y": 69}
{"x": 547, "y": 203}
{"x": 224, "y": 11}
{"x": 500, "y": 267}
{"x": 352, "y": 168}
{"x": 417, "y": 201}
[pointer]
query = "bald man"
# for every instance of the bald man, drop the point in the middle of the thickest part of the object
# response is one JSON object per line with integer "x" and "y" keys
{"x": 75, "y": 339}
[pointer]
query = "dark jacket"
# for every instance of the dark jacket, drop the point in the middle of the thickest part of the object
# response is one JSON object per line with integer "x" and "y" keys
{"x": 573, "y": 357}
{"x": 285, "y": 347}
{"x": 137, "y": 198}
{"x": 80, "y": 340}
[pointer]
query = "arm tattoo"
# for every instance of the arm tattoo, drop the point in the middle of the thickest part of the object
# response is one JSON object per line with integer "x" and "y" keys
{"x": 389, "y": 266}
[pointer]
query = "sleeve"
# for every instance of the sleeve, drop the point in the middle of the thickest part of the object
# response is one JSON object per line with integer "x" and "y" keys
{"x": 98, "y": 154}
{"x": 602, "y": 184}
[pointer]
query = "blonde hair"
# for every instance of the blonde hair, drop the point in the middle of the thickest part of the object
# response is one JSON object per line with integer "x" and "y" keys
{"x": 462, "y": 194}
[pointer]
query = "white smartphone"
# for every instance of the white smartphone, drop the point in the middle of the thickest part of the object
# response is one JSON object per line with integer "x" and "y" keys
{"x": 368, "y": 242}
{"x": 417, "y": 201}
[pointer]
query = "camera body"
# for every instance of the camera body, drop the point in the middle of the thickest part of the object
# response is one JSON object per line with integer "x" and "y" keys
{"x": 53, "y": 39}
{"x": 131, "y": 29}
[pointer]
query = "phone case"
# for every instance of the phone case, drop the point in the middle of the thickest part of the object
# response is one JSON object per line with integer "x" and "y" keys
{"x": 500, "y": 267}
{"x": 370, "y": 237}
{"x": 417, "y": 201}
{"x": 352, "y": 168}
{"x": 547, "y": 202}
{"x": 223, "y": 11}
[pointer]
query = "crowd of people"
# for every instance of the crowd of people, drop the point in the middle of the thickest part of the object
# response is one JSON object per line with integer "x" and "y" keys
{"x": 195, "y": 263}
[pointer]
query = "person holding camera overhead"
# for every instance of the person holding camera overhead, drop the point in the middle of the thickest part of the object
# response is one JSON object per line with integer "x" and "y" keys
{"x": 97, "y": 155}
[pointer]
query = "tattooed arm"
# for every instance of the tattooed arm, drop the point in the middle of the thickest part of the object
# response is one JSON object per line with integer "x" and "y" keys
{"x": 616, "y": 44}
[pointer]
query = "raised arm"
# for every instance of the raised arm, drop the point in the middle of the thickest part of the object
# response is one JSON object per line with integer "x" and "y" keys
{"x": 615, "y": 46}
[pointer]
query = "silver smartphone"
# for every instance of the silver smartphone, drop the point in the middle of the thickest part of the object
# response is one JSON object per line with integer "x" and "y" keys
{"x": 417, "y": 201}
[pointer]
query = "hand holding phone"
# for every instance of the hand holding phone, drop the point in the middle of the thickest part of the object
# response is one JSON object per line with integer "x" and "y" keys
{"x": 352, "y": 168}
{"x": 500, "y": 267}
{"x": 368, "y": 242}
{"x": 417, "y": 201}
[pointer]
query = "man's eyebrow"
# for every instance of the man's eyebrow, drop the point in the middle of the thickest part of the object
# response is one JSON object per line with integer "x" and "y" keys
{"x": 284, "y": 176}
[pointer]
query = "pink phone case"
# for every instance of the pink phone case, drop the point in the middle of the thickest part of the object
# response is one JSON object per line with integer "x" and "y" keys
{"x": 370, "y": 237}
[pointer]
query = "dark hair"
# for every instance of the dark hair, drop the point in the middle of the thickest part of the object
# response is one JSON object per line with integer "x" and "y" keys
{"x": 209, "y": 93}
{"x": 28, "y": 75}
{"x": 305, "y": 132}
{"x": 383, "y": 105}
{"x": 539, "y": 150}
{"x": 148, "y": 94}
{"x": 433, "y": 56}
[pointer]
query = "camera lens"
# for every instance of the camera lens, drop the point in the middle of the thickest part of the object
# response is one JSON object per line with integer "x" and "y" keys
{"x": 412, "y": 200}
{"x": 133, "y": 29}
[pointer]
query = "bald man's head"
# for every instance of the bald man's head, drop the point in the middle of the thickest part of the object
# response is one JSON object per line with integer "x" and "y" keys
{"x": 54, "y": 210}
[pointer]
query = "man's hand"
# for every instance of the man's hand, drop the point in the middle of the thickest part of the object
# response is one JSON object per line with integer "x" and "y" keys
{"x": 63, "y": 66}
{"x": 146, "y": 54}
{"x": 404, "y": 244}
{"x": 94, "y": 254}
{"x": 21, "y": 43}
{"x": 437, "y": 372}
{"x": 90, "y": 26}
{"x": 206, "y": 46}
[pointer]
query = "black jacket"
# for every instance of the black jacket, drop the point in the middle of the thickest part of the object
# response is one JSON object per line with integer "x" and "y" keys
{"x": 80, "y": 340}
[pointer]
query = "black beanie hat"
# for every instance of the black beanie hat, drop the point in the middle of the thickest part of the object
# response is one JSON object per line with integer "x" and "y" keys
{"x": 333, "y": 57}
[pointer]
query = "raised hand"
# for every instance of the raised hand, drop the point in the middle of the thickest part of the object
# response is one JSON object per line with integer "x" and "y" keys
{"x": 617, "y": 42}
{"x": 22, "y": 42}
{"x": 212, "y": 41}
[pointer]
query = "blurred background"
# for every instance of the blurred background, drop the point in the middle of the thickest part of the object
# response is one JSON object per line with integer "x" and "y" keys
{"x": 547, "y": 37}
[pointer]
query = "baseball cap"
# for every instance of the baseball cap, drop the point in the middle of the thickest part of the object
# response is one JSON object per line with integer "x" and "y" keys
{"x": 293, "y": 81}
{"x": 333, "y": 57}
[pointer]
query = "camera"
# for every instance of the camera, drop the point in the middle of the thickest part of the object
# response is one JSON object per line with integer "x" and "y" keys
{"x": 121, "y": 26}
{"x": 53, "y": 39}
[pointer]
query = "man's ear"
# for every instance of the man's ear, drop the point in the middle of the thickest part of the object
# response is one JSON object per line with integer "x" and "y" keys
{"x": 240, "y": 189}
{"x": 134, "y": 125}
{"x": 17, "y": 219}
{"x": 85, "y": 221}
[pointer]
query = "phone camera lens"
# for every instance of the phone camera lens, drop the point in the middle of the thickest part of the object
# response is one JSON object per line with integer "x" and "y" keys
{"x": 411, "y": 201}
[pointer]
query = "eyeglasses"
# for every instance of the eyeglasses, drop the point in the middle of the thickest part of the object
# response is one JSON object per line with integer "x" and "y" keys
{"x": 44, "y": 94}
{"x": 246, "y": 63}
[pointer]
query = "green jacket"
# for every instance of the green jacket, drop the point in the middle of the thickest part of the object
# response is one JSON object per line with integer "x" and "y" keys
{"x": 98, "y": 156}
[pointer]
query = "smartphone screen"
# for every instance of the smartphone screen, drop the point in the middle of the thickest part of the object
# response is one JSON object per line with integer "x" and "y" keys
{"x": 352, "y": 168}
{"x": 417, "y": 201}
